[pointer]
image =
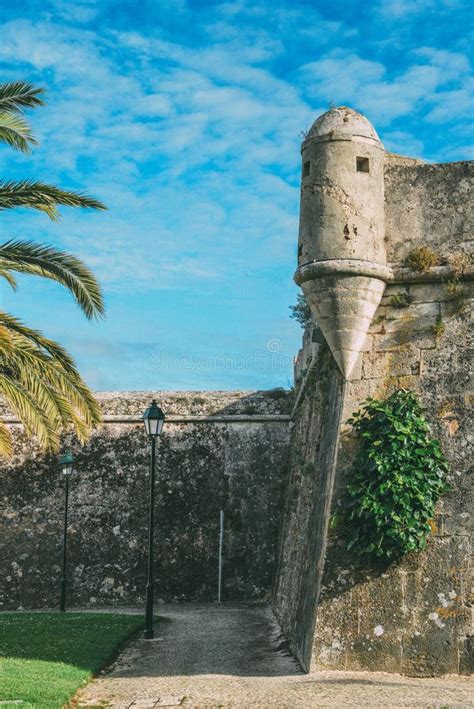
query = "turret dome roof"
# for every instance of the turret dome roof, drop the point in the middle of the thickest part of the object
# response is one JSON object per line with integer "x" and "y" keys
{"x": 342, "y": 119}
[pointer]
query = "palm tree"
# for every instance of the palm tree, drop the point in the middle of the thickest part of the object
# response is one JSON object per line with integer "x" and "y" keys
{"x": 38, "y": 379}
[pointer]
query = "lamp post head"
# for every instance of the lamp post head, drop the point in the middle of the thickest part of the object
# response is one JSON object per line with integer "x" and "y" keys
{"x": 67, "y": 463}
{"x": 153, "y": 418}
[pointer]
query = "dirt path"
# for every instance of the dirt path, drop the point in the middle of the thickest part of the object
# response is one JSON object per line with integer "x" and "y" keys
{"x": 230, "y": 656}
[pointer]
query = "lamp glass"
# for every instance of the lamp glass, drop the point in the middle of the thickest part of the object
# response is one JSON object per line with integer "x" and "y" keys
{"x": 153, "y": 418}
{"x": 67, "y": 463}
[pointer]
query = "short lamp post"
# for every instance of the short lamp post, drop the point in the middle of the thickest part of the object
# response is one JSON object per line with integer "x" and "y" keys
{"x": 67, "y": 465}
{"x": 153, "y": 418}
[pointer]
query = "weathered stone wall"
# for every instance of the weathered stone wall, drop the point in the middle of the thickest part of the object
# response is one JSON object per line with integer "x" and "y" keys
{"x": 307, "y": 502}
{"x": 427, "y": 204}
{"x": 219, "y": 450}
{"x": 414, "y": 617}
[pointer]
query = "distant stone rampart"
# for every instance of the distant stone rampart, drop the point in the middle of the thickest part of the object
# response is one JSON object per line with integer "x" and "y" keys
{"x": 219, "y": 450}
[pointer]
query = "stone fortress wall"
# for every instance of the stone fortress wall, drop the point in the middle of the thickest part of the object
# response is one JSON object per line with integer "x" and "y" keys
{"x": 274, "y": 471}
{"x": 416, "y": 617}
{"x": 218, "y": 450}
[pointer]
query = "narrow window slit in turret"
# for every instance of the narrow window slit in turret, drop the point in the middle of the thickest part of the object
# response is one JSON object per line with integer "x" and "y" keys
{"x": 306, "y": 168}
{"x": 362, "y": 164}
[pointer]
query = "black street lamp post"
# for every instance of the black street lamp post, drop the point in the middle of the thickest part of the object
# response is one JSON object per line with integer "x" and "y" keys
{"x": 153, "y": 418}
{"x": 67, "y": 464}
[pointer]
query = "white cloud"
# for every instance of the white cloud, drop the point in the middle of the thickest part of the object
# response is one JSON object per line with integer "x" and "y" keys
{"x": 401, "y": 9}
{"x": 344, "y": 77}
{"x": 452, "y": 64}
{"x": 76, "y": 11}
{"x": 195, "y": 148}
{"x": 341, "y": 72}
{"x": 449, "y": 105}
{"x": 153, "y": 105}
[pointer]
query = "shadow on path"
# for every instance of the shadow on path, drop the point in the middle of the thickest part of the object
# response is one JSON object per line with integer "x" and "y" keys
{"x": 230, "y": 639}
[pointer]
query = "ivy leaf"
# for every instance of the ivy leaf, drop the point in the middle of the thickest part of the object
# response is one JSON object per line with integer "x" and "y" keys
{"x": 398, "y": 476}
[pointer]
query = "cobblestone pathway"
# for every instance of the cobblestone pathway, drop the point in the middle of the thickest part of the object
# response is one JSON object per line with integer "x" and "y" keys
{"x": 230, "y": 656}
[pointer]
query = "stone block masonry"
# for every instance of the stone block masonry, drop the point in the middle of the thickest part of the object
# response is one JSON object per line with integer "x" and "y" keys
{"x": 219, "y": 450}
{"x": 415, "y": 616}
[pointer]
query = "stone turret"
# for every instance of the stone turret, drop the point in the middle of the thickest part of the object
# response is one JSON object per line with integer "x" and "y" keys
{"x": 341, "y": 254}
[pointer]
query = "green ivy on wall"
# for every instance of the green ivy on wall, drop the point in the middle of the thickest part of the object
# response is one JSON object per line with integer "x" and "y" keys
{"x": 399, "y": 474}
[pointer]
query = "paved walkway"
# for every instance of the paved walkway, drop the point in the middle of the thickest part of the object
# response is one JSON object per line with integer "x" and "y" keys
{"x": 231, "y": 656}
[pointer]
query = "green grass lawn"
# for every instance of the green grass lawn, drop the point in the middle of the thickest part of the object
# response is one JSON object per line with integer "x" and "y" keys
{"x": 46, "y": 657}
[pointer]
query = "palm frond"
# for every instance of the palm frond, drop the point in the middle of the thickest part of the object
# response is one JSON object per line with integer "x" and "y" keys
{"x": 39, "y": 381}
{"x": 6, "y": 447}
{"x": 6, "y": 337}
{"x": 46, "y": 261}
{"x": 59, "y": 405}
{"x": 20, "y": 353}
{"x": 11, "y": 280}
{"x": 57, "y": 352}
{"x": 45, "y": 396}
{"x": 16, "y": 132}
{"x": 38, "y": 195}
{"x": 16, "y": 96}
{"x": 23, "y": 404}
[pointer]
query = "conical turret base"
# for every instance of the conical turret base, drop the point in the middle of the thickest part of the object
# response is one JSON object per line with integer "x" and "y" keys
{"x": 344, "y": 307}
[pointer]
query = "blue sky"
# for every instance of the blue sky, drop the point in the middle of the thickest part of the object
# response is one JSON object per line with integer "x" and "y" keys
{"x": 185, "y": 118}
